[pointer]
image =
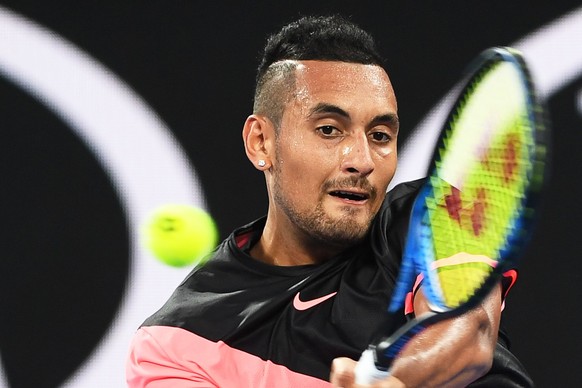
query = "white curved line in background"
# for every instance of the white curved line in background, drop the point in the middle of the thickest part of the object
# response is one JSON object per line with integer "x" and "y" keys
{"x": 143, "y": 160}
{"x": 554, "y": 57}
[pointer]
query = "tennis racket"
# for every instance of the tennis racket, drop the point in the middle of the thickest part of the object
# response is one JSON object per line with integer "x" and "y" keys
{"x": 473, "y": 216}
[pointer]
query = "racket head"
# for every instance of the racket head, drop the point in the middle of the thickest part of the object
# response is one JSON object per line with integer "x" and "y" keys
{"x": 475, "y": 213}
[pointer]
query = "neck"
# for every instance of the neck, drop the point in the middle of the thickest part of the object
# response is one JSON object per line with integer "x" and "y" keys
{"x": 287, "y": 246}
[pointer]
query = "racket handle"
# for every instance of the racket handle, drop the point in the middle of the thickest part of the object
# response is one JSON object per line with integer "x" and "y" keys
{"x": 366, "y": 371}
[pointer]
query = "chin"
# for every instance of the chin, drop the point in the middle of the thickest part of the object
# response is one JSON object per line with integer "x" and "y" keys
{"x": 343, "y": 232}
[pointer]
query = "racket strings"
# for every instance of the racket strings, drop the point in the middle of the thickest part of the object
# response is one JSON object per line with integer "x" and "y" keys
{"x": 469, "y": 224}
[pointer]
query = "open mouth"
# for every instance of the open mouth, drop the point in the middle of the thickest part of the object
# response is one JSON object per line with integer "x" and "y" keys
{"x": 350, "y": 195}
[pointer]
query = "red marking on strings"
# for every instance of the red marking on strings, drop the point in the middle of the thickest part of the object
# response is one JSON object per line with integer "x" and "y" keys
{"x": 478, "y": 215}
{"x": 510, "y": 157}
{"x": 454, "y": 204}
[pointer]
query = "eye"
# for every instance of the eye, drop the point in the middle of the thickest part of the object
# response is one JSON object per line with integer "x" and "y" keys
{"x": 328, "y": 130}
{"x": 381, "y": 137}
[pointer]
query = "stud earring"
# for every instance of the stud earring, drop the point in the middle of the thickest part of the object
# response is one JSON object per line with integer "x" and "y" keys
{"x": 262, "y": 163}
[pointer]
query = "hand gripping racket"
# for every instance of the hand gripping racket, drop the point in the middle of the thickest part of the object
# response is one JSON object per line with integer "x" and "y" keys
{"x": 475, "y": 212}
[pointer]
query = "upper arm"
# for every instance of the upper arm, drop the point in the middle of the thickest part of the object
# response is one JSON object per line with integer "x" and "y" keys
{"x": 152, "y": 364}
{"x": 163, "y": 356}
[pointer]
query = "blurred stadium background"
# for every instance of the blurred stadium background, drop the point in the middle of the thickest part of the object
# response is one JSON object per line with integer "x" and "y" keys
{"x": 109, "y": 109}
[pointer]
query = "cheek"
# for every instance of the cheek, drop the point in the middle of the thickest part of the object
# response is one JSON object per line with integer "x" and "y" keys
{"x": 305, "y": 157}
{"x": 388, "y": 152}
{"x": 302, "y": 171}
{"x": 387, "y": 168}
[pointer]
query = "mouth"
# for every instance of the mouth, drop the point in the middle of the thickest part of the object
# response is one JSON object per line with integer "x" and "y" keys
{"x": 352, "y": 196}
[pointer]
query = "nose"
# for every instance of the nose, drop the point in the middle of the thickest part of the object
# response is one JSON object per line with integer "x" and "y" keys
{"x": 357, "y": 156}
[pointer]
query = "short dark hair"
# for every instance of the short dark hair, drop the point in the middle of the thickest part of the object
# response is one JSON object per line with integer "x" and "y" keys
{"x": 325, "y": 38}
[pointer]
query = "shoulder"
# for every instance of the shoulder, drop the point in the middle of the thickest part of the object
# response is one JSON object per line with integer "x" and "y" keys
{"x": 389, "y": 229}
{"x": 403, "y": 192}
{"x": 197, "y": 291}
{"x": 398, "y": 202}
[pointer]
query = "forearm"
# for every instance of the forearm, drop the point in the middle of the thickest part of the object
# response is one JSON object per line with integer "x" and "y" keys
{"x": 454, "y": 352}
{"x": 447, "y": 354}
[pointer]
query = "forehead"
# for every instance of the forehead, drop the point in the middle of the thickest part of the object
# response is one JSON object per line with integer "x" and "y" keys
{"x": 344, "y": 84}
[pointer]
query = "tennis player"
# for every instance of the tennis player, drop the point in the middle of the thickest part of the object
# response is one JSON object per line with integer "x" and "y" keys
{"x": 297, "y": 295}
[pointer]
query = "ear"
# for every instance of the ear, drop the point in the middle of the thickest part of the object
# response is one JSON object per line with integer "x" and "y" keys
{"x": 258, "y": 136}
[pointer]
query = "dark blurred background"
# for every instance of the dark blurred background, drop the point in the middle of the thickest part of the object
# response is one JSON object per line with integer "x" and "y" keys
{"x": 68, "y": 260}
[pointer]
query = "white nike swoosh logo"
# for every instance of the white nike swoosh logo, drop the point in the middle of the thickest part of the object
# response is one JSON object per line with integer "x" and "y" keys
{"x": 304, "y": 305}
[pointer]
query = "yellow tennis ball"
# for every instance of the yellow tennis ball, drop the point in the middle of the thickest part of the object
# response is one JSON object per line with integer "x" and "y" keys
{"x": 180, "y": 235}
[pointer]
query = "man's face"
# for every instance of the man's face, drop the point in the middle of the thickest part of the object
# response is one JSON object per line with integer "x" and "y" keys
{"x": 336, "y": 150}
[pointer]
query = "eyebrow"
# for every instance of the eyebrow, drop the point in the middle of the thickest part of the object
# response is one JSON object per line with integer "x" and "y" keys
{"x": 323, "y": 107}
{"x": 391, "y": 119}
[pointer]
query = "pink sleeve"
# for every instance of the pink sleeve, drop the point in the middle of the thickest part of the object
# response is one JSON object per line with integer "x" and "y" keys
{"x": 162, "y": 356}
{"x": 152, "y": 364}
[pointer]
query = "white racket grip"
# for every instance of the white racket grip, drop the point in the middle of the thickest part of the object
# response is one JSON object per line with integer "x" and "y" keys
{"x": 366, "y": 371}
